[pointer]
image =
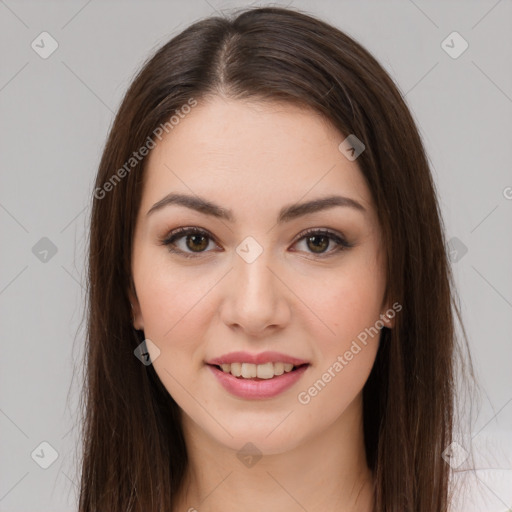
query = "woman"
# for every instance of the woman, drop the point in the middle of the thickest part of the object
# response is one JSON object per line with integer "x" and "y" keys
{"x": 270, "y": 319}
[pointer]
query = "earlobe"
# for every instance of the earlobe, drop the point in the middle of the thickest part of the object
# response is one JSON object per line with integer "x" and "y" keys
{"x": 388, "y": 317}
{"x": 136, "y": 313}
{"x": 389, "y": 321}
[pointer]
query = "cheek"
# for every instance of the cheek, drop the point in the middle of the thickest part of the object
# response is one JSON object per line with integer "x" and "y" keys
{"x": 345, "y": 359}
{"x": 173, "y": 302}
{"x": 331, "y": 390}
{"x": 176, "y": 315}
{"x": 348, "y": 303}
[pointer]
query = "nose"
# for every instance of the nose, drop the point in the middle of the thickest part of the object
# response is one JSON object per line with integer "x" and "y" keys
{"x": 255, "y": 301}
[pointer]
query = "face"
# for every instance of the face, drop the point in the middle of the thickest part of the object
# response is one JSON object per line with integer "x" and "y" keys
{"x": 258, "y": 274}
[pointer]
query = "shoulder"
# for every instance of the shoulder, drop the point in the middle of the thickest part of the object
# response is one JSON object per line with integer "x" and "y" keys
{"x": 485, "y": 484}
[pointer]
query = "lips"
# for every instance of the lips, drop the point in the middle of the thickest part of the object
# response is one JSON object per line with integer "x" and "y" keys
{"x": 261, "y": 358}
{"x": 255, "y": 388}
{"x": 257, "y": 376}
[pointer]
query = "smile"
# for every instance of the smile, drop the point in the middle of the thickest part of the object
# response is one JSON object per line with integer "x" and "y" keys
{"x": 261, "y": 371}
{"x": 257, "y": 382}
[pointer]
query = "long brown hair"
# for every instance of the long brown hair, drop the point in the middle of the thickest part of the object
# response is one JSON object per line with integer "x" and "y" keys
{"x": 134, "y": 454}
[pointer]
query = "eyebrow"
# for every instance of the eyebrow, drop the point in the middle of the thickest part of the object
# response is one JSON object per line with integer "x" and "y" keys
{"x": 286, "y": 214}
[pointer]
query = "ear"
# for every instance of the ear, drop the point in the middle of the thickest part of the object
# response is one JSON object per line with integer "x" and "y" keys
{"x": 388, "y": 314}
{"x": 138, "y": 322}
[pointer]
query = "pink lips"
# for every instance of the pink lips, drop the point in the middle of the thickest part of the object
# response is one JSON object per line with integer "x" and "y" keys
{"x": 257, "y": 389}
{"x": 262, "y": 358}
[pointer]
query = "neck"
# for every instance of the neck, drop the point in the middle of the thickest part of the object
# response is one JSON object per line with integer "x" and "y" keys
{"x": 327, "y": 472}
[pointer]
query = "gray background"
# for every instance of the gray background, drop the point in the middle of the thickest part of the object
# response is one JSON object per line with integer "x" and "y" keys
{"x": 55, "y": 115}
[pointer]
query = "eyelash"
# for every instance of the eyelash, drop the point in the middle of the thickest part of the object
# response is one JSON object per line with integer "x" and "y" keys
{"x": 182, "y": 232}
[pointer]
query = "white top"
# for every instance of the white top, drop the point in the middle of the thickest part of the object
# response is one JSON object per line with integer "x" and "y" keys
{"x": 485, "y": 486}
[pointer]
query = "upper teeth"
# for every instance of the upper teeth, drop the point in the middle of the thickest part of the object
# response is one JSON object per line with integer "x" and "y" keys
{"x": 262, "y": 371}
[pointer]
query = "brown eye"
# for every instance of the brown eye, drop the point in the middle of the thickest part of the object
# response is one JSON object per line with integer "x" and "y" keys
{"x": 196, "y": 241}
{"x": 318, "y": 243}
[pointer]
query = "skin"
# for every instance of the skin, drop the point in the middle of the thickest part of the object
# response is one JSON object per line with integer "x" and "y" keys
{"x": 254, "y": 158}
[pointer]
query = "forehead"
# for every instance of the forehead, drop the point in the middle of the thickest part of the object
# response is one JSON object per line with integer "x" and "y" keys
{"x": 244, "y": 152}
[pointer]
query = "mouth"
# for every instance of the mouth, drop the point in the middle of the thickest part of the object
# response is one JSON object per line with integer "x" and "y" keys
{"x": 258, "y": 372}
{"x": 257, "y": 382}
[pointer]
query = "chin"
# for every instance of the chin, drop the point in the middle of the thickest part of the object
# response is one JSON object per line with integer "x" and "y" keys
{"x": 267, "y": 440}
